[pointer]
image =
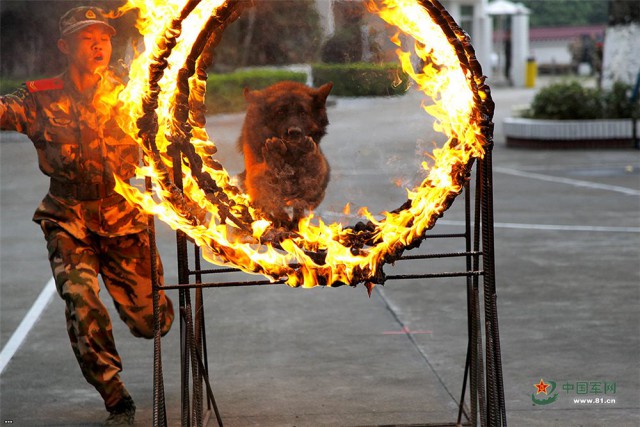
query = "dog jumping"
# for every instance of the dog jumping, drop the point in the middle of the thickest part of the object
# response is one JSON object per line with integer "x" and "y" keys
{"x": 286, "y": 173}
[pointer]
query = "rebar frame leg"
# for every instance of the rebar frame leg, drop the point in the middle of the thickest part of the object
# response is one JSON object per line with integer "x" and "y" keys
{"x": 470, "y": 310}
{"x": 159, "y": 417}
{"x": 496, "y": 411}
{"x": 201, "y": 340}
{"x": 486, "y": 383}
{"x": 477, "y": 370}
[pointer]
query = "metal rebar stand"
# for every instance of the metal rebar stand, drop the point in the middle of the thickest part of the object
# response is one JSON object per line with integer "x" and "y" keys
{"x": 484, "y": 404}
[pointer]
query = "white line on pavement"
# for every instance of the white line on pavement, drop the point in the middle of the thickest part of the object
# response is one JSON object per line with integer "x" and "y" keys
{"x": 514, "y": 225}
{"x": 574, "y": 182}
{"x": 552, "y": 227}
{"x": 27, "y": 323}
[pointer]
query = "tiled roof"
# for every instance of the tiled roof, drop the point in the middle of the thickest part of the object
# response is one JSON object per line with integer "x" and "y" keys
{"x": 565, "y": 32}
{"x": 558, "y": 33}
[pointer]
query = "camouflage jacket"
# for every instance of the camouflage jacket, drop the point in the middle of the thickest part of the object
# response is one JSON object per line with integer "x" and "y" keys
{"x": 79, "y": 149}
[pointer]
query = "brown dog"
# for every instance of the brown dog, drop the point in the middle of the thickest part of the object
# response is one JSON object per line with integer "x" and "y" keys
{"x": 285, "y": 170}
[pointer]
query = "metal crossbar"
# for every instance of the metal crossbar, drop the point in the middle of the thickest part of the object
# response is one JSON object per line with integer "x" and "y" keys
{"x": 485, "y": 403}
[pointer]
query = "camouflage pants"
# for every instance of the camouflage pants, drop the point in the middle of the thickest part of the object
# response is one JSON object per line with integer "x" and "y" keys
{"x": 124, "y": 264}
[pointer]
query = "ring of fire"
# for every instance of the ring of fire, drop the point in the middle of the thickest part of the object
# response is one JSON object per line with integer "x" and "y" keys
{"x": 196, "y": 196}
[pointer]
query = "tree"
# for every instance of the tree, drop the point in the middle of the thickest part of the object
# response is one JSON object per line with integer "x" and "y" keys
{"x": 27, "y": 53}
{"x": 624, "y": 12}
{"x": 558, "y": 13}
{"x": 271, "y": 33}
{"x": 29, "y": 32}
{"x": 621, "y": 59}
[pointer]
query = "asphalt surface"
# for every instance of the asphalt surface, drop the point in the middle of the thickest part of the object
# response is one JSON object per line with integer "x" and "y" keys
{"x": 568, "y": 282}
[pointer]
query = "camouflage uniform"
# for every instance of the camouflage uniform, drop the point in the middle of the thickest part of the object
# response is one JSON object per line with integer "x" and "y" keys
{"x": 89, "y": 228}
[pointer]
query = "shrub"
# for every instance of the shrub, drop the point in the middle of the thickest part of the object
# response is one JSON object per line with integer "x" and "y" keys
{"x": 617, "y": 103}
{"x": 566, "y": 101}
{"x": 225, "y": 91}
{"x": 362, "y": 79}
{"x": 9, "y": 85}
{"x": 344, "y": 47}
{"x": 572, "y": 101}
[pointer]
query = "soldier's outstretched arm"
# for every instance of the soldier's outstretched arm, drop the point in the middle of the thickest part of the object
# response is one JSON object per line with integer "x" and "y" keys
{"x": 16, "y": 110}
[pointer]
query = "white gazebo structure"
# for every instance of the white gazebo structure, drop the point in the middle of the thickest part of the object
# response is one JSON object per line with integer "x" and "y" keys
{"x": 516, "y": 35}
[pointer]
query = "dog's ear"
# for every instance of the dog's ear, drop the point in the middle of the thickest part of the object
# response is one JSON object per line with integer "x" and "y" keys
{"x": 251, "y": 95}
{"x": 323, "y": 92}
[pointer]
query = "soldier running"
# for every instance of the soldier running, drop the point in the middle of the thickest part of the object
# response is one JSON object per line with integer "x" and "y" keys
{"x": 90, "y": 229}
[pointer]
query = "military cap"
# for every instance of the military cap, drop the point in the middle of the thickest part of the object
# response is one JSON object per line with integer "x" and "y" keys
{"x": 81, "y": 17}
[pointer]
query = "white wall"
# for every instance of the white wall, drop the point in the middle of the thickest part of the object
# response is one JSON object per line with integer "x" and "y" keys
{"x": 551, "y": 51}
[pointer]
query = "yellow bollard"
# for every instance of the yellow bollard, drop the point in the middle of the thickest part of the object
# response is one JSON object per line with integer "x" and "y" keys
{"x": 531, "y": 72}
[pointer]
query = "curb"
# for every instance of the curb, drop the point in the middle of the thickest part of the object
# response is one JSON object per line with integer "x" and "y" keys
{"x": 570, "y": 134}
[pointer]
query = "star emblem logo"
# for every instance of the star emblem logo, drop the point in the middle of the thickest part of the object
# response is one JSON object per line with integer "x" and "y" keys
{"x": 541, "y": 387}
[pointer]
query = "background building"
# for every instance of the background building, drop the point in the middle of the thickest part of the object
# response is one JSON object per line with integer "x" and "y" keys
{"x": 472, "y": 15}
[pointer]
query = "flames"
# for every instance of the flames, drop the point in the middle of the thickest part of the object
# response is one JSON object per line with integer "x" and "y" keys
{"x": 318, "y": 253}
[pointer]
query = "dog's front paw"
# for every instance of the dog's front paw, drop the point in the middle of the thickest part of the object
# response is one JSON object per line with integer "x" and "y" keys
{"x": 308, "y": 145}
{"x": 274, "y": 151}
{"x": 274, "y": 146}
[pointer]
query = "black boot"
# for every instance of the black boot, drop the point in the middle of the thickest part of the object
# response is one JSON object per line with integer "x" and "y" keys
{"x": 122, "y": 413}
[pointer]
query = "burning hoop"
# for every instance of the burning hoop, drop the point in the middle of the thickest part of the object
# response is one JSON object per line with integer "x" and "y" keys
{"x": 192, "y": 193}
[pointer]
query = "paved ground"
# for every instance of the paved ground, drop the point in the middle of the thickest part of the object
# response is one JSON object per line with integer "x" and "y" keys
{"x": 567, "y": 252}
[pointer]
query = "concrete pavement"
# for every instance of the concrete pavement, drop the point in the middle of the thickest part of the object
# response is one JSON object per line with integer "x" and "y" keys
{"x": 567, "y": 252}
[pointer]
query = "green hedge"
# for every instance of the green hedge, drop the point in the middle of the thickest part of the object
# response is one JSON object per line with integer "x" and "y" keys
{"x": 225, "y": 91}
{"x": 572, "y": 101}
{"x": 361, "y": 79}
{"x": 9, "y": 85}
